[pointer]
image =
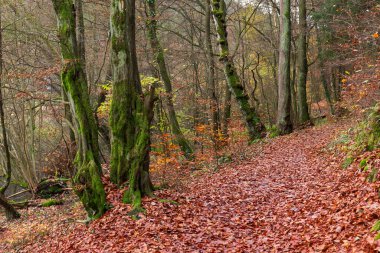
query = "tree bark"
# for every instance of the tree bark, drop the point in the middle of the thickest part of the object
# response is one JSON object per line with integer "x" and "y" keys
{"x": 10, "y": 211}
{"x": 284, "y": 102}
{"x": 303, "y": 110}
{"x": 81, "y": 32}
{"x": 214, "y": 109}
{"x": 130, "y": 116}
{"x": 159, "y": 57}
{"x": 252, "y": 120}
{"x": 321, "y": 64}
{"x": 87, "y": 181}
{"x": 227, "y": 111}
{"x": 2, "y": 117}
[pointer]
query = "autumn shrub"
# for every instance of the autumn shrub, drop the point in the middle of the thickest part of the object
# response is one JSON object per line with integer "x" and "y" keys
{"x": 272, "y": 131}
{"x": 367, "y": 134}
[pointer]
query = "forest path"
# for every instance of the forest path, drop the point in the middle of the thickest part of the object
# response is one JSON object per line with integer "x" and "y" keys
{"x": 292, "y": 197}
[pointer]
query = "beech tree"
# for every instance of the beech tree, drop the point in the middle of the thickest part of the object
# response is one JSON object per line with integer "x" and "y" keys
{"x": 284, "y": 102}
{"x": 303, "y": 110}
{"x": 131, "y": 110}
{"x": 252, "y": 120}
{"x": 88, "y": 183}
{"x": 211, "y": 90}
{"x": 159, "y": 58}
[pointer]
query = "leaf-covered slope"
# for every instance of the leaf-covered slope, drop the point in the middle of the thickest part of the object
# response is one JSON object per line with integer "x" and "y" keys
{"x": 293, "y": 197}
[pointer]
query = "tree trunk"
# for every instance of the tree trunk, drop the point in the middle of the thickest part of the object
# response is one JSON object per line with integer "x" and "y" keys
{"x": 130, "y": 116}
{"x": 10, "y": 211}
{"x": 252, "y": 120}
{"x": 2, "y": 117}
{"x": 214, "y": 109}
{"x": 80, "y": 32}
{"x": 227, "y": 111}
{"x": 321, "y": 64}
{"x": 159, "y": 57}
{"x": 284, "y": 103}
{"x": 87, "y": 181}
{"x": 303, "y": 110}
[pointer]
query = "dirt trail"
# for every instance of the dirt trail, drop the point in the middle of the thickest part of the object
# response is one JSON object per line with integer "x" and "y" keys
{"x": 293, "y": 197}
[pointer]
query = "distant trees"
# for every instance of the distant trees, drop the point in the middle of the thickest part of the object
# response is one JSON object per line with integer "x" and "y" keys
{"x": 159, "y": 60}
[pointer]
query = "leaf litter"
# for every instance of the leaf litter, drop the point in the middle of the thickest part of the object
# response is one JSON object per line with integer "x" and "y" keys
{"x": 292, "y": 196}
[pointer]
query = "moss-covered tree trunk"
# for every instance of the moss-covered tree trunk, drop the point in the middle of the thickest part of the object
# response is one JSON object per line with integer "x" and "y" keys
{"x": 252, "y": 120}
{"x": 10, "y": 211}
{"x": 284, "y": 97}
{"x": 87, "y": 181}
{"x": 303, "y": 110}
{"x": 130, "y": 115}
{"x": 159, "y": 58}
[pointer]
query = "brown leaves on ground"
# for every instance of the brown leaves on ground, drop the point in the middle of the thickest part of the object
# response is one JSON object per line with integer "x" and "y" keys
{"x": 293, "y": 197}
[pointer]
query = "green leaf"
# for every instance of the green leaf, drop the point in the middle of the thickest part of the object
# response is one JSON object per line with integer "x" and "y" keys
{"x": 376, "y": 227}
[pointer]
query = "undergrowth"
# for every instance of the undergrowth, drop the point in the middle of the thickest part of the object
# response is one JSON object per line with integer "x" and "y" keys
{"x": 361, "y": 146}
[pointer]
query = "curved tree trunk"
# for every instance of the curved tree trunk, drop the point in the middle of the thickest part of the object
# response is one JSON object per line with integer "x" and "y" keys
{"x": 303, "y": 110}
{"x": 130, "y": 114}
{"x": 159, "y": 57}
{"x": 87, "y": 181}
{"x": 252, "y": 120}
{"x": 10, "y": 211}
{"x": 2, "y": 117}
{"x": 284, "y": 102}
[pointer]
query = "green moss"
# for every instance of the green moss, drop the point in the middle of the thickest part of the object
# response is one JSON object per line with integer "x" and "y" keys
{"x": 320, "y": 121}
{"x": 363, "y": 163}
{"x": 273, "y": 131}
{"x": 347, "y": 162}
{"x": 20, "y": 183}
{"x": 372, "y": 176}
{"x": 89, "y": 188}
{"x": 52, "y": 202}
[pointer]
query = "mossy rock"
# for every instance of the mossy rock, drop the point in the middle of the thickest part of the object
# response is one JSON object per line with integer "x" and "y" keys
{"x": 51, "y": 187}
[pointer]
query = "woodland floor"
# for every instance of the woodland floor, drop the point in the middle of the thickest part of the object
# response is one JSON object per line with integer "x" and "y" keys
{"x": 292, "y": 196}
